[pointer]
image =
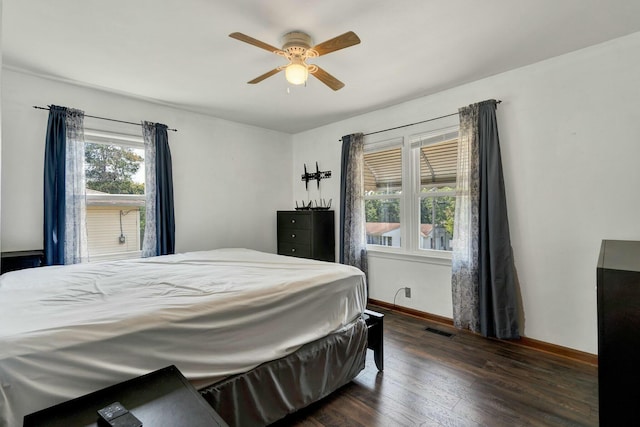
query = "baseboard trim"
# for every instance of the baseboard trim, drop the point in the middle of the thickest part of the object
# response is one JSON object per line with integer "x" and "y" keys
{"x": 557, "y": 350}
{"x": 412, "y": 312}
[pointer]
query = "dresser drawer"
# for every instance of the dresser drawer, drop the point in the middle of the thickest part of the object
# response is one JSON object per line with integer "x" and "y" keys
{"x": 292, "y": 249}
{"x": 294, "y": 235}
{"x": 294, "y": 220}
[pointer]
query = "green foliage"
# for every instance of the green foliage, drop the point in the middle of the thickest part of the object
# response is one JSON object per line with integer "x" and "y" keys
{"x": 444, "y": 209}
{"x": 110, "y": 169}
{"x": 116, "y": 187}
{"x": 377, "y": 210}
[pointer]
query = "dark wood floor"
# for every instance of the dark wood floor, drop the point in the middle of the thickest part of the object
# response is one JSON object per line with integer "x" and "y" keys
{"x": 463, "y": 380}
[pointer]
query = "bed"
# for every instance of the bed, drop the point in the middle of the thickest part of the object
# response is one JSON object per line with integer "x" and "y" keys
{"x": 261, "y": 335}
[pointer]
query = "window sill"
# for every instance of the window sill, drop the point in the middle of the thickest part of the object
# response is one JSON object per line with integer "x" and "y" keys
{"x": 430, "y": 258}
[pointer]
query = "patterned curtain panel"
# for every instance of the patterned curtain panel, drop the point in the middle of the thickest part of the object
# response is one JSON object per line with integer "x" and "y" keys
{"x": 150, "y": 239}
{"x": 159, "y": 231}
{"x": 353, "y": 250}
{"x": 76, "y": 249}
{"x": 483, "y": 275}
{"x": 65, "y": 233}
{"x": 464, "y": 277}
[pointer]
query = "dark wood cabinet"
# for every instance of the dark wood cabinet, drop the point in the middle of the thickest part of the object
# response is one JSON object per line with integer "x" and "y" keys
{"x": 307, "y": 234}
{"x": 618, "y": 279}
{"x": 17, "y": 260}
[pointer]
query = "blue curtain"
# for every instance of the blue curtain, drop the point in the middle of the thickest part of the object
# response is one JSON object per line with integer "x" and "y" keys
{"x": 497, "y": 288}
{"x": 54, "y": 186}
{"x": 483, "y": 274}
{"x": 165, "y": 221}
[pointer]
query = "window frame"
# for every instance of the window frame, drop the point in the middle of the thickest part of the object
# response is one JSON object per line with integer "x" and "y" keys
{"x": 410, "y": 194}
{"x": 95, "y": 136}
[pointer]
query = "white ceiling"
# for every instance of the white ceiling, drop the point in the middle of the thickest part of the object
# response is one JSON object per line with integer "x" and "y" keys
{"x": 178, "y": 51}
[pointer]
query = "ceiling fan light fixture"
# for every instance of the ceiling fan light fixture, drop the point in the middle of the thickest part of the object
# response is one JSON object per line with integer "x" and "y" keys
{"x": 297, "y": 49}
{"x": 296, "y": 74}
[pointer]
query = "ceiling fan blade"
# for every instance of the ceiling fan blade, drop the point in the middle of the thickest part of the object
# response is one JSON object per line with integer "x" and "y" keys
{"x": 262, "y": 45}
{"x": 265, "y": 75}
{"x": 328, "y": 79}
{"x": 345, "y": 40}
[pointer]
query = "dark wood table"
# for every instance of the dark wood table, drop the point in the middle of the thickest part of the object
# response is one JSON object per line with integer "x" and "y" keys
{"x": 161, "y": 398}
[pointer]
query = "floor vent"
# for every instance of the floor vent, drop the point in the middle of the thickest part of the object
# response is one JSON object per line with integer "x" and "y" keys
{"x": 439, "y": 332}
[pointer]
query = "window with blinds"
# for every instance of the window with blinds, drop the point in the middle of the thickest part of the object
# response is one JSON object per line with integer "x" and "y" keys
{"x": 383, "y": 171}
{"x": 435, "y": 194}
{"x": 409, "y": 191}
{"x": 438, "y": 157}
{"x": 382, "y": 193}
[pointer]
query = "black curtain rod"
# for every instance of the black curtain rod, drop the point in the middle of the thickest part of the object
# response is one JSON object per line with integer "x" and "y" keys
{"x": 104, "y": 118}
{"x": 413, "y": 124}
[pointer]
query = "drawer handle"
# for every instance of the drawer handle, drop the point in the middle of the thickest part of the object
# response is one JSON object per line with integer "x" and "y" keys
{"x": 293, "y": 236}
{"x": 293, "y": 221}
{"x": 293, "y": 249}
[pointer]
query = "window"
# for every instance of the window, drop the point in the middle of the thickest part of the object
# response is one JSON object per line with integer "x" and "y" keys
{"x": 382, "y": 193}
{"x": 410, "y": 191}
{"x": 115, "y": 176}
{"x": 435, "y": 192}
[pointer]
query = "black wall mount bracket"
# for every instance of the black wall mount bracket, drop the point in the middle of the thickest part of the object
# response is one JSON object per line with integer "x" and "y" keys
{"x": 314, "y": 176}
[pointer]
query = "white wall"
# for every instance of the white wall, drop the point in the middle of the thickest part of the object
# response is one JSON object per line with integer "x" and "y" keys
{"x": 570, "y": 139}
{"x": 229, "y": 178}
{"x": 0, "y": 124}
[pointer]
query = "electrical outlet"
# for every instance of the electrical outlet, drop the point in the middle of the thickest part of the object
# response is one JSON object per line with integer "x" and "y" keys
{"x": 407, "y": 292}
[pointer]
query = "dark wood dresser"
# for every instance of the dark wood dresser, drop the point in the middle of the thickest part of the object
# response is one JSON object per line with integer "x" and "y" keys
{"x": 17, "y": 260}
{"x": 307, "y": 234}
{"x": 618, "y": 279}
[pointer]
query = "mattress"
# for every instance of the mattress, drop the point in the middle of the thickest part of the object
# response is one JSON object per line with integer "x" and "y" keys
{"x": 68, "y": 330}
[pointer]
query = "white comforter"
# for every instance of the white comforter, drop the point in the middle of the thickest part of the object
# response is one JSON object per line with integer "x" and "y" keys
{"x": 66, "y": 331}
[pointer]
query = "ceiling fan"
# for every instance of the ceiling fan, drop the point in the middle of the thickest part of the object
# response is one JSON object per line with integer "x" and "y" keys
{"x": 297, "y": 49}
